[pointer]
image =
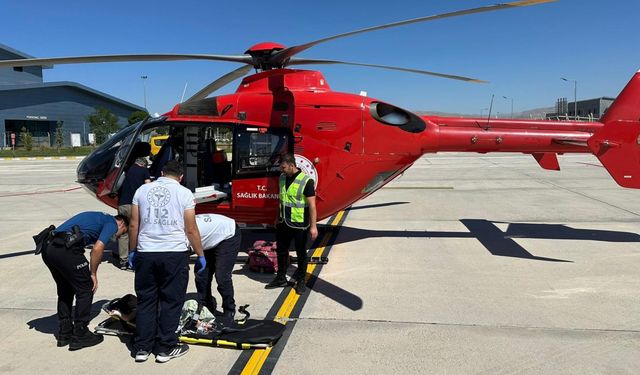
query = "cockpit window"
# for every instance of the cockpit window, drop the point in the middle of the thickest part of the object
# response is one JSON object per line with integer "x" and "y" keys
{"x": 391, "y": 115}
{"x": 259, "y": 151}
{"x": 115, "y": 141}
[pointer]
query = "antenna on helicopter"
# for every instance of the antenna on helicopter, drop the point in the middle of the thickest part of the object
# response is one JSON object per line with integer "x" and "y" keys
{"x": 183, "y": 91}
{"x": 489, "y": 116}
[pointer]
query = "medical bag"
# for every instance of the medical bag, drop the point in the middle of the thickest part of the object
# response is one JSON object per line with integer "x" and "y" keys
{"x": 263, "y": 257}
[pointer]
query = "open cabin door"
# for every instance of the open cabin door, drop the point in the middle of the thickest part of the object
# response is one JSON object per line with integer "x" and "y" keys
{"x": 208, "y": 152}
{"x": 256, "y": 170}
{"x": 115, "y": 176}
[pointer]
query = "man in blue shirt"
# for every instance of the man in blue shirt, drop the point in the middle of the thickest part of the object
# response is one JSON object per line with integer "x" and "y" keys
{"x": 74, "y": 275}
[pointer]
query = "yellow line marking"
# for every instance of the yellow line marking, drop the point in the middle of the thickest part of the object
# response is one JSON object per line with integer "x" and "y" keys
{"x": 256, "y": 361}
{"x": 259, "y": 356}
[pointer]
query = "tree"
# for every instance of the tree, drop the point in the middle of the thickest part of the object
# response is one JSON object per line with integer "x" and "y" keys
{"x": 103, "y": 123}
{"x": 26, "y": 138}
{"x": 59, "y": 135}
{"x": 137, "y": 116}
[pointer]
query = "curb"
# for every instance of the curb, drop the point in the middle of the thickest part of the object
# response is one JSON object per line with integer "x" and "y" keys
{"x": 44, "y": 158}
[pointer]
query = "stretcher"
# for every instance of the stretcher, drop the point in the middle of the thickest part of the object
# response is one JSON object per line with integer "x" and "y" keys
{"x": 198, "y": 326}
{"x": 209, "y": 194}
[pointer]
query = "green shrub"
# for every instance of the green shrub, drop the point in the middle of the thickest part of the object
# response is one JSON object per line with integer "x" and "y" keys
{"x": 26, "y": 139}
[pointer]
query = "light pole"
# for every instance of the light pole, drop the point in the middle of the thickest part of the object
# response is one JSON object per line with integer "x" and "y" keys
{"x": 144, "y": 83}
{"x": 482, "y": 111}
{"x": 575, "y": 96}
{"x": 511, "y": 104}
{"x": 490, "y": 108}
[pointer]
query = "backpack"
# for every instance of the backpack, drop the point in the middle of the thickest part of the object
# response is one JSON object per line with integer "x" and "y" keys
{"x": 263, "y": 257}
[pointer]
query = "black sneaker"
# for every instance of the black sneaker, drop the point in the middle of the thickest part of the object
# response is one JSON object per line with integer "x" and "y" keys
{"x": 178, "y": 351}
{"x": 217, "y": 313}
{"x": 227, "y": 318}
{"x": 301, "y": 286}
{"x": 124, "y": 264}
{"x": 297, "y": 276}
{"x": 278, "y": 282}
{"x": 142, "y": 355}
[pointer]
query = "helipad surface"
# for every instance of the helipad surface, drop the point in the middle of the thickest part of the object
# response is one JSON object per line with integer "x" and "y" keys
{"x": 465, "y": 264}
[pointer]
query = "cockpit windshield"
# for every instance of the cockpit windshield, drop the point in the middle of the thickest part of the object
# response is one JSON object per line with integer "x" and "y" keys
{"x": 115, "y": 141}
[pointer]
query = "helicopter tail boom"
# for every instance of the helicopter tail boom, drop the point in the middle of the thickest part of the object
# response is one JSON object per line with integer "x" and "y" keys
{"x": 617, "y": 143}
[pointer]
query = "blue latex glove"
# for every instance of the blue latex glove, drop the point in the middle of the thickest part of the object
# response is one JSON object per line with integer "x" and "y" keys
{"x": 202, "y": 263}
{"x": 131, "y": 258}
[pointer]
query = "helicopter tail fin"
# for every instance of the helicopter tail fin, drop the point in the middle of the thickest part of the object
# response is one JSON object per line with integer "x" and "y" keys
{"x": 617, "y": 143}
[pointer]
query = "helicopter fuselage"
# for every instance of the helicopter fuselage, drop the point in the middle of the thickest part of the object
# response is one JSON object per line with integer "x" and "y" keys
{"x": 351, "y": 145}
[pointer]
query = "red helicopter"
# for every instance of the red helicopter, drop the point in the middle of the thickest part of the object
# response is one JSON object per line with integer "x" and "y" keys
{"x": 351, "y": 145}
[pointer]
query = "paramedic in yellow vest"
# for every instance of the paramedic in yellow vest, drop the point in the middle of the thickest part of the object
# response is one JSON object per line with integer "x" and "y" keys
{"x": 296, "y": 221}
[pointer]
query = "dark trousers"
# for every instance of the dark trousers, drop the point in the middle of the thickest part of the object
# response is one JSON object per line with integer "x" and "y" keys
{"x": 284, "y": 235}
{"x": 220, "y": 262}
{"x": 70, "y": 271}
{"x": 161, "y": 286}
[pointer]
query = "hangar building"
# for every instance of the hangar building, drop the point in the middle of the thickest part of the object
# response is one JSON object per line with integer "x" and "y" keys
{"x": 27, "y": 101}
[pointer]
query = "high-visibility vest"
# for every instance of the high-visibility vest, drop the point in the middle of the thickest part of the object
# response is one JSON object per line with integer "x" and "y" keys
{"x": 293, "y": 203}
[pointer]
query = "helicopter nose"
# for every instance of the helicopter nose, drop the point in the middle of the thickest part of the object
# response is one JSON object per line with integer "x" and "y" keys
{"x": 83, "y": 174}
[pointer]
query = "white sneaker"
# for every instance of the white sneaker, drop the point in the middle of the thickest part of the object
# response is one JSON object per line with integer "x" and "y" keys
{"x": 178, "y": 351}
{"x": 142, "y": 355}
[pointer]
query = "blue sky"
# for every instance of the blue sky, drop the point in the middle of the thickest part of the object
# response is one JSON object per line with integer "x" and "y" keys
{"x": 523, "y": 52}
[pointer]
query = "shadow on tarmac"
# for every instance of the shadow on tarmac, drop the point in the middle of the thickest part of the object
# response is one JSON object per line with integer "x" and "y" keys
{"x": 494, "y": 240}
{"x": 316, "y": 284}
{"x": 563, "y": 232}
{"x": 49, "y": 324}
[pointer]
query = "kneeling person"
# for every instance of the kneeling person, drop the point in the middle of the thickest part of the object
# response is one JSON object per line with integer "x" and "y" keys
{"x": 221, "y": 240}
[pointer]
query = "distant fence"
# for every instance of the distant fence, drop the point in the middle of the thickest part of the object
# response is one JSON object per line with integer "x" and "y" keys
{"x": 590, "y": 118}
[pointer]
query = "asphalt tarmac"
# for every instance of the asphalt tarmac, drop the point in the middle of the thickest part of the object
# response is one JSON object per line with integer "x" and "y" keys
{"x": 466, "y": 264}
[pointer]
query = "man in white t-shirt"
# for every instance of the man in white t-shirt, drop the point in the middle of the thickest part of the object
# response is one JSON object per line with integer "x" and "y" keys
{"x": 221, "y": 240}
{"x": 162, "y": 220}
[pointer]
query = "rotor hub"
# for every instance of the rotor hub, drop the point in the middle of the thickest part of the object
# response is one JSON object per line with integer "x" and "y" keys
{"x": 262, "y": 53}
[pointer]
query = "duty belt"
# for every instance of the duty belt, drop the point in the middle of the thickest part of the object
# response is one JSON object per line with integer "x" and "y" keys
{"x": 69, "y": 240}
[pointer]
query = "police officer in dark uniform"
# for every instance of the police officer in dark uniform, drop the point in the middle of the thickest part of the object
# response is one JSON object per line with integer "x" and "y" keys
{"x": 74, "y": 275}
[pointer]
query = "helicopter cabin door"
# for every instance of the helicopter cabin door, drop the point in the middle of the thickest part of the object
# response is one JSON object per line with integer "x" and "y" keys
{"x": 208, "y": 164}
{"x": 128, "y": 150}
{"x": 256, "y": 170}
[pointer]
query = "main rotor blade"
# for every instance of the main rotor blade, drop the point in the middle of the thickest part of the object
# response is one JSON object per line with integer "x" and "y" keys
{"x": 279, "y": 58}
{"x": 297, "y": 61}
{"x": 220, "y": 82}
{"x": 122, "y": 58}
